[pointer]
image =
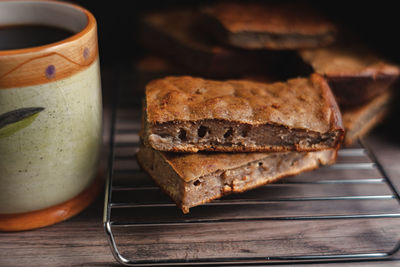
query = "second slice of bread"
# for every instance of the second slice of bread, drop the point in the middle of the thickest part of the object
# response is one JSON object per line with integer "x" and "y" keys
{"x": 192, "y": 179}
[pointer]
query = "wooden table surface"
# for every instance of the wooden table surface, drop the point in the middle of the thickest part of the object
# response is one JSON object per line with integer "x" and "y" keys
{"x": 81, "y": 240}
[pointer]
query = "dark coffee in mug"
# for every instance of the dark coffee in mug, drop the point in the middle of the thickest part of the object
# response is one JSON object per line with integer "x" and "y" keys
{"x": 24, "y": 36}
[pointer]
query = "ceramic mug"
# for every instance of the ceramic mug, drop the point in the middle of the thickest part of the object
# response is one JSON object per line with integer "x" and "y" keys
{"x": 50, "y": 116}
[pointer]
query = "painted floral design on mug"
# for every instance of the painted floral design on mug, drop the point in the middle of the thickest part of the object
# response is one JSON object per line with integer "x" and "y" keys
{"x": 18, "y": 119}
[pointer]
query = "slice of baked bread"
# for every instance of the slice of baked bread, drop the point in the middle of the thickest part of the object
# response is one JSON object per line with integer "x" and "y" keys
{"x": 355, "y": 74}
{"x": 192, "y": 179}
{"x": 359, "y": 122}
{"x": 186, "y": 114}
{"x": 274, "y": 25}
{"x": 178, "y": 36}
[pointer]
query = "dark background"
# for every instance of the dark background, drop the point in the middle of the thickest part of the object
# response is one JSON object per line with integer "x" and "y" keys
{"x": 374, "y": 22}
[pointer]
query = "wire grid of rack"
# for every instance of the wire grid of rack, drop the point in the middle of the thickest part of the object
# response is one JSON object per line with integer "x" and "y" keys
{"x": 347, "y": 211}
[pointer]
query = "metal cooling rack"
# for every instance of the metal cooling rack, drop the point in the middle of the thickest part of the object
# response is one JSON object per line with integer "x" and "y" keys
{"x": 348, "y": 211}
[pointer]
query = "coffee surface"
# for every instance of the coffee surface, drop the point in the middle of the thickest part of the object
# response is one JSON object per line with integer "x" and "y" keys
{"x": 24, "y": 36}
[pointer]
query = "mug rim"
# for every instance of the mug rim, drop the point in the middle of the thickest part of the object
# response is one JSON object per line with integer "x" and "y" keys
{"x": 91, "y": 23}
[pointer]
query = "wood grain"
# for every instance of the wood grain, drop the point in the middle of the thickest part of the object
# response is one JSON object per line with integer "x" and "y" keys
{"x": 81, "y": 240}
{"x": 78, "y": 241}
{"x": 257, "y": 239}
{"x": 160, "y": 231}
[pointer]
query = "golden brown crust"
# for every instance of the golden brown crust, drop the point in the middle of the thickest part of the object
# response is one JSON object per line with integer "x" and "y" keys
{"x": 270, "y": 25}
{"x": 355, "y": 74}
{"x": 194, "y": 165}
{"x": 223, "y": 173}
{"x": 272, "y": 18}
{"x": 190, "y": 166}
{"x": 360, "y": 121}
{"x": 331, "y": 107}
{"x": 298, "y": 103}
{"x": 347, "y": 61}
